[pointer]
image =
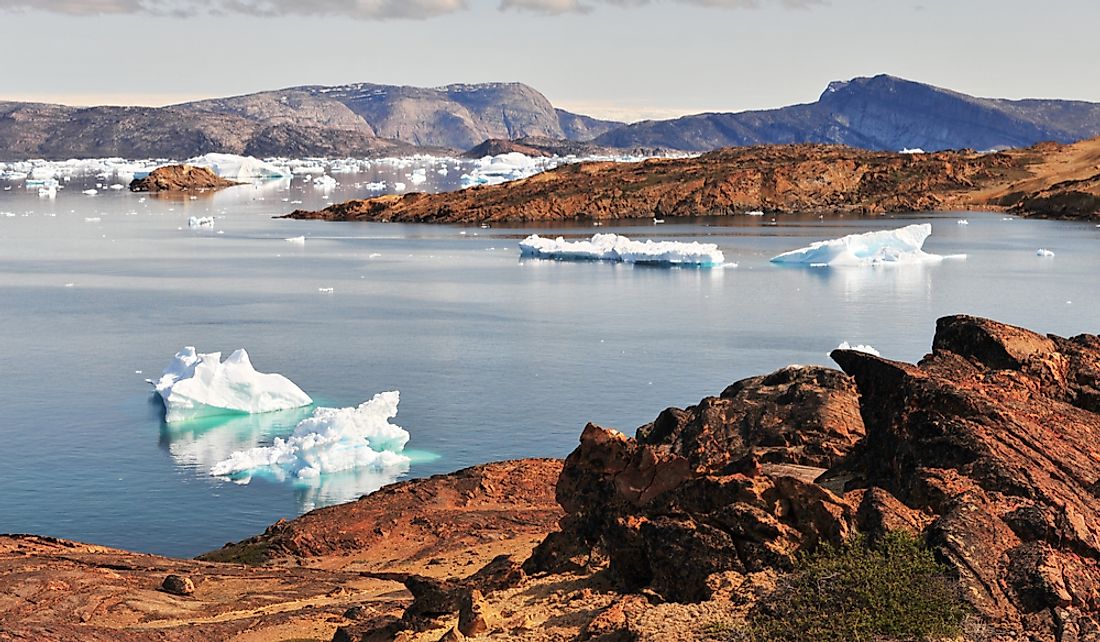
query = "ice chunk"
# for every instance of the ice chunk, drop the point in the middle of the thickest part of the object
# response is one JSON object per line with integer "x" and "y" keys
{"x": 324, "y": 182}
{"x": 90, "y": 192}
{"x": 859, "y": 348}
{"x": 200, "y": 221}
{"x": 962, "y": 221}
{"x": 296, "y": 240}
{"x": 1044, "y": 253}
{"x": 332, "y": 440}
{"x": 612, "y": 247}
{"x": 899, "y": 246}
{"x": 239, "y": 168}
{"x": 200, "y": 385}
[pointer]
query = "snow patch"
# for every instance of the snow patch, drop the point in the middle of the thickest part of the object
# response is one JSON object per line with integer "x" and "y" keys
{"x": 199, "y": 385}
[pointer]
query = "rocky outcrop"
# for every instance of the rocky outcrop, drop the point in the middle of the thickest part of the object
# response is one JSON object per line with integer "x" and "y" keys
{"x": 711, "y": 488}
{"x": 179, "y": 178}
{"x": 987, "y": 448}
{"x": 1047, "y": 180}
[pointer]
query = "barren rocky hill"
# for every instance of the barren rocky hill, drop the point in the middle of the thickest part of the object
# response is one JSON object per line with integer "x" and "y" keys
{"x": 1050, "y": 180}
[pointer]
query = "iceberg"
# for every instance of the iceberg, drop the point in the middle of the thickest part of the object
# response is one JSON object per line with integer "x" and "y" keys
{"x": 888, "y": 247}
{"x": 200, "y": 385}
{"x": 1045, "y": 253}
{"x": 200, "y": 221}
{"x": 859, "y": 348}
{"x": 240, "y": 168}
{"x": 613, "y": 247}
{"x": 330, "y": 441}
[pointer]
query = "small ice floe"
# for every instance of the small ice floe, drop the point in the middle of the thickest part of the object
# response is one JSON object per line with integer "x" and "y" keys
{"x": 90, "y": 192}
{"x": 914, "y": 150}
{"x": 324, "y": 182}
{"x": 200, "y": 221}
{"x": 612, "y": 247}
{"x": 117, "y": 186}
{"x": 399, "y": 187}
{"x": 658, "y": 221}
{"x": 962, "y": 221}
{"x": 755, "y": 213}
{"x": 199, "y": 385}
{"x": 1044, "y": 253}
{"x": 902, "y": 246}
{"x": 373, "y": 255}
{"x": 859, "y": 348}
{"x": 330, "y": 441}
{"x": 69, "y": 285}
{"x": 325, "y": 290}
{"x": 92, "y": 219}
{"x": 296, "y": 240}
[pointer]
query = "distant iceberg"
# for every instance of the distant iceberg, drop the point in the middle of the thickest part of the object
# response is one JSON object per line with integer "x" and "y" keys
{"x": 239, "y": 168}
{"x": 859, "y": 348}
{"x": 200, "y": 221}
{"x": 612, "y": 247}
{"x": 199, "y": 385}
{"x": 1043, "y": 252}
{"x": 888, "y": 247}
{"x": 332, "y": 440}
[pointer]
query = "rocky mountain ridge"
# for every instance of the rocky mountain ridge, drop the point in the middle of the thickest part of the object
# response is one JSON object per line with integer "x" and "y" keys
{"x": 366, "y": 119}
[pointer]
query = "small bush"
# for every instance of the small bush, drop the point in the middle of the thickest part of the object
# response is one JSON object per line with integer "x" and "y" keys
{"x": 860, "y": 592}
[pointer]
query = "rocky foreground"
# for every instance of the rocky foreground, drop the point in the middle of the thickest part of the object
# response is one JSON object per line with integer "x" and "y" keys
{"x": 988, "y": 450}
{"x": 1047, "y": 180}
{"x": 180, "y": 178}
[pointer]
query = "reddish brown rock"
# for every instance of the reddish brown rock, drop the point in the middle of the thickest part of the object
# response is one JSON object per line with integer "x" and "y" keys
{"x": 179, "y": 178}
{"x": 995, "y": 437}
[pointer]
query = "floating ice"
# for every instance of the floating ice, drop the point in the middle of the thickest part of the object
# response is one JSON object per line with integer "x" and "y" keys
{"x": 332, "y": 440}
{"x": 893, "y": 247}
{"x": 612, "y": 247}
{"x": 859, "y": 348}
{"x": 239, "y": 168}
{"x": 200, "y": 221}
{"x": 962, "y": 221}
{"x": 296, "y": 240}
{"x": 200, "y": 385}
{"x": 1044, "y": 253}
{"x": 324, "y": 182}
{"x": 915, "y": 150}
{"x": 90, "y": 192}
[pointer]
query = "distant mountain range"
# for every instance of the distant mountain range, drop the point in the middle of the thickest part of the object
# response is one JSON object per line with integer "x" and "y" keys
{"x": 880, "y": 113}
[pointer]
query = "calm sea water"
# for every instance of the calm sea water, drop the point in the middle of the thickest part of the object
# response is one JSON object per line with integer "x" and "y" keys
{"x": 494, "y": 357}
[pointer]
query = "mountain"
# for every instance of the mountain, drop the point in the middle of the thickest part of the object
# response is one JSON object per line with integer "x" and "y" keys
{"x": 879, "y": 113}
{"x": 361, "y": 119}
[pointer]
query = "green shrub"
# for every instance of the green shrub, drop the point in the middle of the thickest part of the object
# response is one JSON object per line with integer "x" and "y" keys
{"x": 892, "y": 589}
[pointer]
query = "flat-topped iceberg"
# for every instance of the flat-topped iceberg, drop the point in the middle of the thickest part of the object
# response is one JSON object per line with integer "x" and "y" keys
{"x": 239, "y": 168}
{"x": 613, "y": 247}
{"x": 199, "y": 385}
{"x": 898, "y": 246}
{"x": 332, "y": 440}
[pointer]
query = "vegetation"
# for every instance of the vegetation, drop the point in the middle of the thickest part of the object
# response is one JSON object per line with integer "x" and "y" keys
{"x": 891, "y": 589}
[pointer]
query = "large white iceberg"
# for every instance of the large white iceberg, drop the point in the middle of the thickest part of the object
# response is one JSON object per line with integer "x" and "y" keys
{"x": 613, "y": 247}
{"x": 332, "y": 440}
{"x": 898, "y": 246}
{"x": 199, "y": 385}
{"x": 239, "y": 168}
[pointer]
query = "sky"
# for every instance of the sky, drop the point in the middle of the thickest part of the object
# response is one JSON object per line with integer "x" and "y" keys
{"x": 622, "y": 59}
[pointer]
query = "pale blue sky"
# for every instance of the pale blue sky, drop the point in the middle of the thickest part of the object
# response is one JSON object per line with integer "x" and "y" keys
{"x": 620, "y": 58}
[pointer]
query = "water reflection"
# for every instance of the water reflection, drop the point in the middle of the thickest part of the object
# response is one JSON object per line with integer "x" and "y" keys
{"x": 201, "y": 443}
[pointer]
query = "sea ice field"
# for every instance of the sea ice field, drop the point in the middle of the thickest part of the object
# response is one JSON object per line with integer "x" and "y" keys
{"x": 422, "y": 348}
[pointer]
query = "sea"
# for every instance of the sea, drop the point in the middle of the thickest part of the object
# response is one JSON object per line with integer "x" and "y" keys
{"x": 495, "y": 356}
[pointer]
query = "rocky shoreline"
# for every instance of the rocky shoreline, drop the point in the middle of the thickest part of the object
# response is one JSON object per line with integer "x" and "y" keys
{"x": 180, "y": 178}
{"x": 986, "y": 451}
{"x": 1047, "y": 180}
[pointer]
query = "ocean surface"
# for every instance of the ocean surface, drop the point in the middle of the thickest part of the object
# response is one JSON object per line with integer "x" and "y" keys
{"x": 495, "y": 357}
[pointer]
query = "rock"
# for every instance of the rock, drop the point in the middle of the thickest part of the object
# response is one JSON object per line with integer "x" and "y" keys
{"x": 994, "y": 440}
{"x": 452, "y": 635}
{"x": 178, "y": 585}
{"x": 179, "y": 178}
{"x": 385, "y": 628}
{"x": 475, "y": 616}
{"x": 612, "y": 623}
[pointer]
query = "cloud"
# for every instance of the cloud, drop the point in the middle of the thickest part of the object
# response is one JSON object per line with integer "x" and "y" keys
{"x": 583, "y": 6}
{"x": 361, "y": 9}
{"x": 364, "y": 9}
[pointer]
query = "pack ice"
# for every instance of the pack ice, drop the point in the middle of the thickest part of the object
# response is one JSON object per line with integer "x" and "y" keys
{"x": 332, "y": 440}
{"x": 200, "y": 385}
{"x": 613, "y": 247}
{"x": 899, "y": 246}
